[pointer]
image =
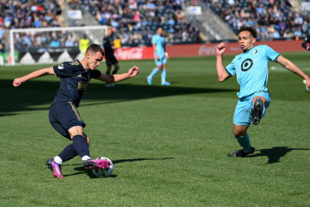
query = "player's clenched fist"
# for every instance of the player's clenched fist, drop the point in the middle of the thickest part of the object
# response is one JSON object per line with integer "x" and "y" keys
{"x": 17, "y": 82}
{"x": 220, "y": 48}
{"x": 133, "y": 71}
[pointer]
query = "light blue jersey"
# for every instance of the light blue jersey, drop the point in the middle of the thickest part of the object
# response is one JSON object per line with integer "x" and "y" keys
{"x": 159, "y": 42}
{"x": 251, "y": 69}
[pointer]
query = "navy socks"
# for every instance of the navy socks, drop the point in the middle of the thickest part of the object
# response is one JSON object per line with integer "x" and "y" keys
{"x": 68, "y": 153}
{"x": 80, "y": 145}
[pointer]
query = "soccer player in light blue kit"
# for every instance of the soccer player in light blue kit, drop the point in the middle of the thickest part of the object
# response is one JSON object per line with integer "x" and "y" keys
{"x": 160, "y": 56}
{"x": 251, "y": 69}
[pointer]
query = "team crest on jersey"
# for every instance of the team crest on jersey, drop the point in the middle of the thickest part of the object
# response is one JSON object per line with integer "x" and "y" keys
{"x": 255, "y": 52}
{"x": 74, "y": 63}
{"x": 82, "y": 85}
{"x": 60, "y": 67}
{"x": 246, "y": 64}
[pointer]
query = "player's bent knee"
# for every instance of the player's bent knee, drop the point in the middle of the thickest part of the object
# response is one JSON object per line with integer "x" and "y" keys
{"x": 76, "y": 130}
{"x": 240, "y": 130}
{"x": 238, "y": 133}
{"x": 261, "y": 97}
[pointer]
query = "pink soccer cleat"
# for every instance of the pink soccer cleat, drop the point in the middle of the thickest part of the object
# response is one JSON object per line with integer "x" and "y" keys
{"x": 56, "y": 168}
{"x": 103, "y": 164}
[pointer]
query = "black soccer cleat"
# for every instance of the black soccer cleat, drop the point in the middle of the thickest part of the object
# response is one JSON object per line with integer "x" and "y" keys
{"x": 241, "y": 153}
{"x": 257, "y": 111}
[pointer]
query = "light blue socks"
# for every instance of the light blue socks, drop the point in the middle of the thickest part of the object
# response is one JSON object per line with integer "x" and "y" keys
{"x": 163, "y": 76}
{"x": 155, "y": 70}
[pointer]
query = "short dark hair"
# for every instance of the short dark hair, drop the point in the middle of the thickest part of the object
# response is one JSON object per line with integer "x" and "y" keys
{"x": 249, "y": 29}
{"x": 95, "y": 48}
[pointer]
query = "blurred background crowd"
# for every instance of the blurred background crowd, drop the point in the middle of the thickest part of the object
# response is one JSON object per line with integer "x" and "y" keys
{"x": 135, "y": 21}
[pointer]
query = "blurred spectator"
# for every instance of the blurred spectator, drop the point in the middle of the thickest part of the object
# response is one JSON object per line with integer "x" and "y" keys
{"x": 69, "y": 41}
{"x": 55, "y": 43}
{"x": 2, "y": 47}
{"x": 2, "y": 32}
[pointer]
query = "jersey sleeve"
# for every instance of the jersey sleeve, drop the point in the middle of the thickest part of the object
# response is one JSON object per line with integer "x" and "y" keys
{"x": 95, "y": 74}
{"x": 63, "y": 70}
{"x": 271, "y": 54}
{"x": 230, "y": 69}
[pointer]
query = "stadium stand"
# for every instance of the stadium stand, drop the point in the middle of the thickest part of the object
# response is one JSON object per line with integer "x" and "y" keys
{"x": 273, "y": 19}
{"x": 16, "y": 14}
{"x": 135, "y": 21}
{"x": 26, "y": 14}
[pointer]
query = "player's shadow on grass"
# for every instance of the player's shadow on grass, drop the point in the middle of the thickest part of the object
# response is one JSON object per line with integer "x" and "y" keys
{"x": 38, "y": 95}
{"x": 82, "y": 170}
{"x": 139, "y": 159}
{"x": 274, "y": 154}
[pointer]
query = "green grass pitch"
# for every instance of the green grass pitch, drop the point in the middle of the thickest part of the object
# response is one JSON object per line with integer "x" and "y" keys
{"x": 169, "y": 144}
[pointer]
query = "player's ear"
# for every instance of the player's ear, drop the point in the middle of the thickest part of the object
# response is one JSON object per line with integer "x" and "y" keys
{"x": 87, "y": 55}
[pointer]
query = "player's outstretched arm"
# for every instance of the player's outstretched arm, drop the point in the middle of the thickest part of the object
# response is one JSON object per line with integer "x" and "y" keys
{"x": 35, "y": 74}
{"x": 221, "y": 72}
{"x": 132, "y": 72}
{"x": 294, "y": 68}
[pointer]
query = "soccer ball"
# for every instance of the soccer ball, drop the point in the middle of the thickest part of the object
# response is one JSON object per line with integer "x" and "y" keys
{"x": 99, "y": 172}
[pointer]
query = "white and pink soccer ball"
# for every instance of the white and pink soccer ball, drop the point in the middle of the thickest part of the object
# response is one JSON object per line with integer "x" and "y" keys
{"x": 106, "y": 172}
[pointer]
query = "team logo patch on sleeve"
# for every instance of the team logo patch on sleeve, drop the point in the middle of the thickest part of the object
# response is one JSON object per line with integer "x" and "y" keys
{"x": 74, "y": 63}
{"x": 246, "y": 64}
{"x": 60, "y": 67}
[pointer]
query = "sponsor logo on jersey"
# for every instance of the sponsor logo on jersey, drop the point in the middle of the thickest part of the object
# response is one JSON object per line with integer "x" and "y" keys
{"x": 82, "y": 86}
{"x": 246, "y": 64}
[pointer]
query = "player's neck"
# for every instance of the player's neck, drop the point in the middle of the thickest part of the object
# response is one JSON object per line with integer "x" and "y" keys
{"x": 247, "y": 50}
{"x": 84, "y": 64}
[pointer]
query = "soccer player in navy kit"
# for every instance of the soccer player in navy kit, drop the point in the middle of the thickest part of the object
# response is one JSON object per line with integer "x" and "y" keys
{"x": 306, "y": 43}
{"x": 63, "y": 115}
{"x": 251, "y": 69}
{"x": 109, "y": 55}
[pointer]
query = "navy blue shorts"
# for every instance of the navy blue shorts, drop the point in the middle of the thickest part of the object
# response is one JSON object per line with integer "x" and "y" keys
{"x": 63, "y": 116}
{"x": 110, "y": 59}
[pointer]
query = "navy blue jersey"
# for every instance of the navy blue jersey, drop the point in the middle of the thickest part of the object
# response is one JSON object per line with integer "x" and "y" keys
{"x": 73, "y": 81}
{"x": 306, "y": 43}
{"x": 107, "y": 44}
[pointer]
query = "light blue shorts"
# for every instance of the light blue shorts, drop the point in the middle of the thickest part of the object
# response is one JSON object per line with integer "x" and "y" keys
{"x": 243, "y": 111}
{"x": 162, "y": 60}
